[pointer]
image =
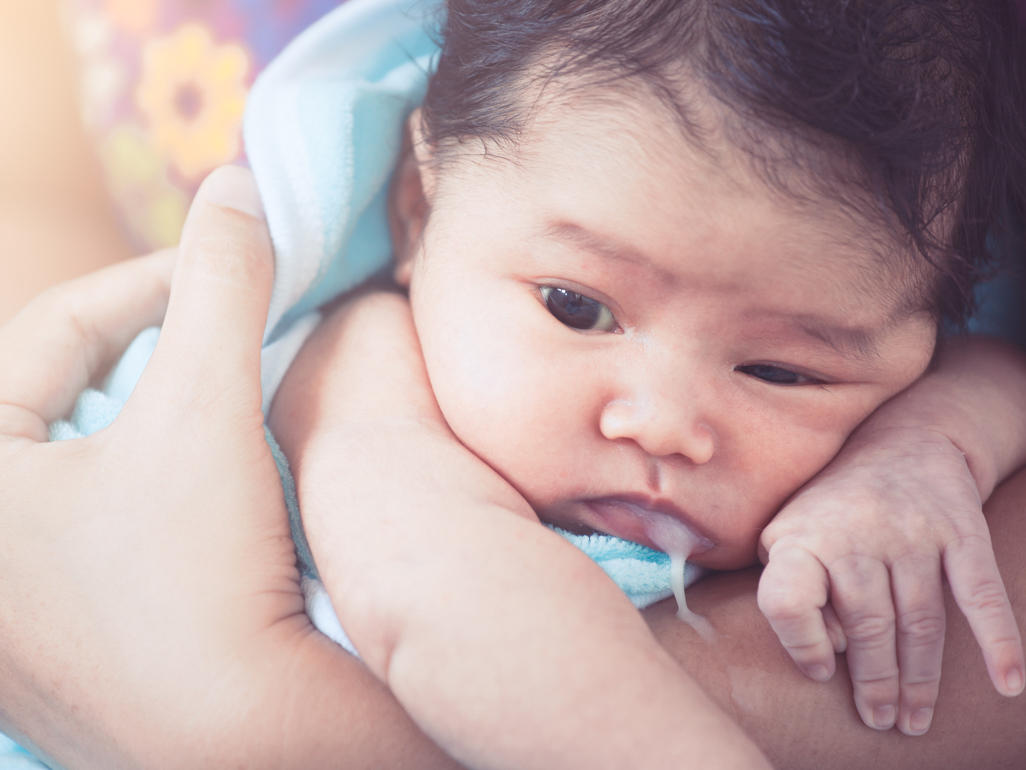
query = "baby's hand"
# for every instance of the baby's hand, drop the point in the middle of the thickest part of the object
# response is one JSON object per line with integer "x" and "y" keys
{"x": 856, "y": 561}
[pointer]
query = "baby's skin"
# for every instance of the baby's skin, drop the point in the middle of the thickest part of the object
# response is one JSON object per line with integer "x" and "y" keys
{"x": 597, "y": 339}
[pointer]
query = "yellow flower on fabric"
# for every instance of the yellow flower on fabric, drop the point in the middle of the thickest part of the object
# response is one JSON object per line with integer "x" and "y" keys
{"x": 192, "y": 92}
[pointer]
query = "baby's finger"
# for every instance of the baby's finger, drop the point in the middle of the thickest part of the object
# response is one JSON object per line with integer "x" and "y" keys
{"x": 919, "y": 601}
{"x": 211, "y": 340}
{"x": 70, "y": 334}
{"x": 980, "y": 593}
{"x": 792, "y": 592}
{"x": 861, "y": 596}
{"x": 834, "y": 629}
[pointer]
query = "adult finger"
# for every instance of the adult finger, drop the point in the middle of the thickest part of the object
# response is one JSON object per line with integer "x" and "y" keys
{"x": 210, "y": 343}
{"x": 861, "y": 596}
{"x": 792, "y": 593}
{"x": 919, "y": 604}
{"x": 70, "y": 334}
{"x": 980, "y": 593}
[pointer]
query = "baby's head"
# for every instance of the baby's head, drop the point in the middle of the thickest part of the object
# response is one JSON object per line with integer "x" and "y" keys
{"x": 665, "y": 255}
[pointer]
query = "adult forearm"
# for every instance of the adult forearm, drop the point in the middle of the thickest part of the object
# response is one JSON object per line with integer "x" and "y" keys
{"x": 804, "y": 724}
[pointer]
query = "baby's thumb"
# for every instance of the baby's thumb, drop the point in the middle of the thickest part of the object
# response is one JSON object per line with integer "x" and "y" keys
{"x": 210, "y": 342}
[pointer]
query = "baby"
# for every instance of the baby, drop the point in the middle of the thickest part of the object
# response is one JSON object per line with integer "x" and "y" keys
{"x": 658, "y": 261}
{"x": 654, "y": 262}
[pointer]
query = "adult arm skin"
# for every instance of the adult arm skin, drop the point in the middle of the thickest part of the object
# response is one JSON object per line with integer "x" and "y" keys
{"x": 804, "y": 724}
{"x": 56, "y": 219}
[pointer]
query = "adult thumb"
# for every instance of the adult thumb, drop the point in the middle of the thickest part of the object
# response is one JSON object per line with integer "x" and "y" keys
{"x": 213, "y": 330}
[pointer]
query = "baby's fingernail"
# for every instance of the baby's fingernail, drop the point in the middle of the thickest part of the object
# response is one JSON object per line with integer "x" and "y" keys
{"x": 920, "y": 721}
{"x": 1014, "y": 681}
{"x": 818, "y": 672}
{"x": 883, "y": 717}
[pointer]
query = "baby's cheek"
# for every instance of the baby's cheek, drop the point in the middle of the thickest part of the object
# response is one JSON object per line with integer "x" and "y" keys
{"x": 508, "y": 417}
{"x": 773, "y": 471}
{"x": 777, "y": 461}
{"x": 478, "y": 388}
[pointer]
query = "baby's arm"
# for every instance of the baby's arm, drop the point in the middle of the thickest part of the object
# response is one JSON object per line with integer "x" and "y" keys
{"x": 856, "y": 560}
{"x": 507, "y": 645}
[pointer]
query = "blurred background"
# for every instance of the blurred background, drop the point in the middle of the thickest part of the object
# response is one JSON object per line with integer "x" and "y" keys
{"x": 112, "y": 113}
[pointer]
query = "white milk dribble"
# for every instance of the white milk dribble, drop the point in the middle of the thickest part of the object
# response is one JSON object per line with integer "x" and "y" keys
{"x": 678, "y": 541}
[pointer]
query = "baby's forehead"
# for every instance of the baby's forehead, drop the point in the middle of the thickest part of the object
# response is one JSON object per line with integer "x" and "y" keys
{"x": 706, "y": 150}
{"x": 638, "y": 162}
{"x": 792, "y": 163}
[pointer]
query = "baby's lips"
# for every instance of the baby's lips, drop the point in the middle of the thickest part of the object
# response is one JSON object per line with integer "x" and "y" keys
{"x": 673, "y": 536}
{"x": 655, "y": 522}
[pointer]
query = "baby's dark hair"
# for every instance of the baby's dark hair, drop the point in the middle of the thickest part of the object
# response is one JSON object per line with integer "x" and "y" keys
{"x": 911, "y": 112}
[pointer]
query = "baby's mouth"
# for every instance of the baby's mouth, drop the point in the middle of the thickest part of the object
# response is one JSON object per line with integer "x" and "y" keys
{"x": 660, "y": 525}
{"x": 655, "y": 523}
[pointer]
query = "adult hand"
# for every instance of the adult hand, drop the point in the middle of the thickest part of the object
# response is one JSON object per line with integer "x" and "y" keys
{"x": 150, "y": 613}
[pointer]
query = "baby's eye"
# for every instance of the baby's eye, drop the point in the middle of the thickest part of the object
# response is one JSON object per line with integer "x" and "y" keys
{"x": 577, "y": 311}
{"x": 776, "y": 375}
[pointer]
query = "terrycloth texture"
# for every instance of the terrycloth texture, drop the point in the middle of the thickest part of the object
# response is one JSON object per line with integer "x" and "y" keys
{"x": 323, "y": 132}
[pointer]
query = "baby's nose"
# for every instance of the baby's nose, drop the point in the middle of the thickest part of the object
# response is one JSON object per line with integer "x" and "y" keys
{"x": 660, "y": 426}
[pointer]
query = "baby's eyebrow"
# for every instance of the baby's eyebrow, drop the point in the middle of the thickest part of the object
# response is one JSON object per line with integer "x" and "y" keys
{"x": 857, "y": 342}
{"x": 851, "y": 341}
{"x": 604, "y": 246}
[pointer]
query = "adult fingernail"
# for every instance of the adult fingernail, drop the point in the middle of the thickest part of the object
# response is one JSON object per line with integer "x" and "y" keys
{"x": 883, "y": 717}
{"x": 1014, "y": 681}
{"x": 233, "y": 187}
{"x": 920, "y": 721}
